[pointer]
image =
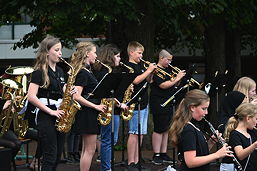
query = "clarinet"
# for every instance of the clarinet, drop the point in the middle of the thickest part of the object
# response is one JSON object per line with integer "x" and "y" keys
{"x": 222, "y": 142}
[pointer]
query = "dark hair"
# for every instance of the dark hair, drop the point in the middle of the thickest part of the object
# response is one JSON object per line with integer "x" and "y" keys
{"x": 106, "y": 55}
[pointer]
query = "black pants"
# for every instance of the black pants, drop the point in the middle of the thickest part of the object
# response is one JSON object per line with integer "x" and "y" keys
{"x": 10, "y": 140}
{"x": 51, "y": 141}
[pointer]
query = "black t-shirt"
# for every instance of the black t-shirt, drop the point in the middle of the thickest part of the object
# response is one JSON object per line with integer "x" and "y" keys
{"x": 193, "y": 139}
{"x": 158, "y": 95}
{"x": 87, "y": 80}
{"x": 158, "y": 92}
{"x": 99, "y": 76}
{"x": 236, "y": 138}
{"x": 57, "y": 81}
{"x": 139, "y": 69}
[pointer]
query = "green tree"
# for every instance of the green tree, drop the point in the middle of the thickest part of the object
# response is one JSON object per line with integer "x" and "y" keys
{"x": 221, "y": 28}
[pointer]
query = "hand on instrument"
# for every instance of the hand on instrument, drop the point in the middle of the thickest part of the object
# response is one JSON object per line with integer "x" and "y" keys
{"x": 123, "y": 106}
{"x": 73, "y": 90}
{"x": 180, "y": 75}
{"x": 215, "y": 139}
{"x": 224, "y": 151}
{"x": 58, "y": 113}
{"x": 100, "y": 108}
{"x": 152, "y": 67}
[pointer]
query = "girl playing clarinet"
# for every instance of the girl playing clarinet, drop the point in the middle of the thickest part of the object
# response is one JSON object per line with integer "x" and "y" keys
{"x": 242, "y": 135}
{"x": 190, "y": 141}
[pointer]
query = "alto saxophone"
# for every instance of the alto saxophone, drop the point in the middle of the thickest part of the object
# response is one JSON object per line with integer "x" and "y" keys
{"x": 127, "y": 114}
{"x": 68, "y": 105}
{"x": 105, "y": 117}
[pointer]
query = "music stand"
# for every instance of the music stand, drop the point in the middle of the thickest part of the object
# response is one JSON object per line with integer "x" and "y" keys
{"x": 217, "y": 83}
{"x": 113, "y": 85}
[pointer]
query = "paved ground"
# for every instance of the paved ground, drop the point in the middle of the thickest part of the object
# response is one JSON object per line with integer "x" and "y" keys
{"x": 119, "y": 165}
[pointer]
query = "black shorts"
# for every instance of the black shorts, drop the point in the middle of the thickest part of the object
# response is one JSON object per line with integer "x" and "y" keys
{"x": 162, "y": 122}
{"x": 162, "y": 116}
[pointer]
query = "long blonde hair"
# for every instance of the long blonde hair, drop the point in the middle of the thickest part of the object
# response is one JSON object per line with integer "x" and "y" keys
{"x": 242, "y": 111}
{"x": 41, "y": 57}
{"x": 243, "y": 85}
{"x": 183, "y": 113}
{"x": 77, "y": 59}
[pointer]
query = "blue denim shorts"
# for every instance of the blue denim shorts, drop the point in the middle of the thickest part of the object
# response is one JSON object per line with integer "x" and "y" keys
{"x": 133, "y": 123}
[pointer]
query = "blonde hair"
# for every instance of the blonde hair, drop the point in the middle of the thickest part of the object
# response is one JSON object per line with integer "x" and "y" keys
{"x": 41, "y": 57}
{"x": 183, "y": 113}
{"x": 243, "y": 85}
{"x": 77, "y": 59}
{"x": 133, "y": 46}
{"x": 242, "y": 111}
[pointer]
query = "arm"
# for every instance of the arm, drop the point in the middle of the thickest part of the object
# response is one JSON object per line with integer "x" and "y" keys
{"x": 243, "y": 153}
{"x": 85, "y": 102}
{"x": 32, "y": 97}
{"x": 196, "y": 161}
{"x": 145, "y": 75}
{"x": 169, "y": 83}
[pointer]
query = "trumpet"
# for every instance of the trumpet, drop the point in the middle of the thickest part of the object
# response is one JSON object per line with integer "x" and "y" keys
{"x": 192, "y": 82}
{"x": 158, "y": 71}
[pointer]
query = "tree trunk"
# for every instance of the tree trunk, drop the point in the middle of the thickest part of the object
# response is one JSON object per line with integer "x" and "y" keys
{"x": 215, "y": 61}
{"x": 142, "y": 31}
{"x": 233, "y": 56}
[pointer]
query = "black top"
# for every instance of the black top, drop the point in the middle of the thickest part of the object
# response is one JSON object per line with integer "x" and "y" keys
{"x": 192, "y": 139}
{"x": 57, "y": 81}
{"x": 236, "y": 138}
{"x": 139, "y": 69}
{"x": 86, "y": 79}
{"x": 86, "y": 119}
{"x": 99, "y": 76}
{"x": 230, "y": 103}
{"x": 156, "y": 90}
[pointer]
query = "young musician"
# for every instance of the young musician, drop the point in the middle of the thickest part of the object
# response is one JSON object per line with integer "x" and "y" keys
{"x": 135, "y": 52}
{"x": 86, "y": 119}
{"x": 242, "y": 135}
{"x": 161, "y": 89}
{"x": 188, "y": 138}
{"x": 45, "y": 92}
{"x": 109, "y": 55}
{"x": 247, "y": 86}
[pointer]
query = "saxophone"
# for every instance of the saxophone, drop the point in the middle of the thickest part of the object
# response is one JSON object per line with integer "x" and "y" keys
{"x": 105, "y": 117}
{"x": 127, "y": 114}
{"x": 68, "y": 105}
